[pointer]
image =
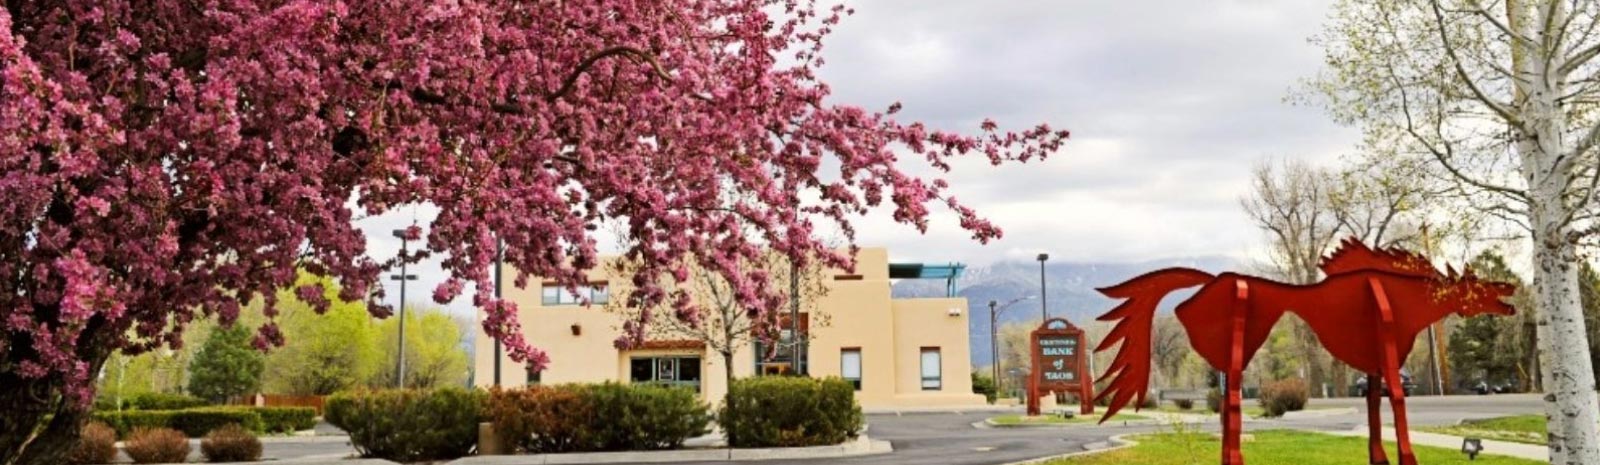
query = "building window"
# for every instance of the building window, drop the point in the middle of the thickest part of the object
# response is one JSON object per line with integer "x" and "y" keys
{"x": 666, "y": 370}
{"x": 931, "y": 376}
{"x": 555, "y": 294}
{"x": 534, "y": 377}
{"x": 850, "y": 366}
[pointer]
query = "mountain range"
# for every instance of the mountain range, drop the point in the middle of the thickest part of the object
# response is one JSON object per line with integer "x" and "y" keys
{"x": 1070, "y": 291}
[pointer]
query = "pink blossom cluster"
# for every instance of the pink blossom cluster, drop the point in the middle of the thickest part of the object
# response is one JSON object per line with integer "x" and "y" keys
{"x": 167, "y": 161}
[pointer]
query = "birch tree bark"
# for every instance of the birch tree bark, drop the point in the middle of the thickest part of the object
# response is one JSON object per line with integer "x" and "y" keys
{"x": 1501, "y": 96}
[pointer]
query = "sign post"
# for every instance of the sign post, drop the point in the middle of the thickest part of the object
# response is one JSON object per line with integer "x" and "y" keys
{"x": 1060, "y": 360}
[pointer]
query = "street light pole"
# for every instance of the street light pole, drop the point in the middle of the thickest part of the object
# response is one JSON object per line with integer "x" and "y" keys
{"x": 499, "y": 258}
{"x": 1044, "y": 307}
{"x": 994, "y": 345}
{"x": 994, "y": 334}
{"x": 400, "y": 365}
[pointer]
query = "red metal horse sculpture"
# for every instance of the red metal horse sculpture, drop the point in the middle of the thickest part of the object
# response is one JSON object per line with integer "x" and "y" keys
{"x": 1367, "y": 313}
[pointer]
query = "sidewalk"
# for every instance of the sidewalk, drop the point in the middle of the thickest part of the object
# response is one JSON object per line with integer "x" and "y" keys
{"x": 1420, "y": 438}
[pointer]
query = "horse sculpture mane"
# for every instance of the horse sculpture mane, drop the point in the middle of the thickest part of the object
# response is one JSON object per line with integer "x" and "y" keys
{"x": 1353, "y": 255}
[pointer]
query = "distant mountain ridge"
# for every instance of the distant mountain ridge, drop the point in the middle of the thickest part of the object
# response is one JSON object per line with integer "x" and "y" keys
{"x": 1070, "y": 288}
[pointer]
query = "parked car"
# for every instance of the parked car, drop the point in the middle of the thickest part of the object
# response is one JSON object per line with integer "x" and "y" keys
{"x": 1482, "y": 387}
{"x": 1406, "y": 385}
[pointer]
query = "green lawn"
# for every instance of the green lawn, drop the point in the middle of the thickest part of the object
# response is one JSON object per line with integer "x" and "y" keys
{"x": 1057, "y": 419}
{"x": 1527, "y": 429}
{"x": 1275, "y": 447}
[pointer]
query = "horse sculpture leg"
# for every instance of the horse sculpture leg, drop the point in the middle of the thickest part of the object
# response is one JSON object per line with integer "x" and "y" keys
{"x": 1375, "y": 453}
{"x": 1232, "y": 419}
{"x": 1391, "y": 374}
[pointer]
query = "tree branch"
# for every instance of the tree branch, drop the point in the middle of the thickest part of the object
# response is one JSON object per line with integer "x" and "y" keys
{"x": 1461, "y": 71}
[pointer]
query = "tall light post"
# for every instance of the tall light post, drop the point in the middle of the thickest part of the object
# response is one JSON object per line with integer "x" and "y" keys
{"x": 400, "y": 365}
{"x": 994, "y": 335}
{"x": 1044, "y": 308}
{"x": 499, "y": 258}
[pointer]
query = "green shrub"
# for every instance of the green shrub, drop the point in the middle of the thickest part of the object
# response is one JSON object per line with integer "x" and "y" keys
{"x": 596, "y": 417}
{"x": 161, "y": 401}
{"x": 231, "y": 443}
{"x": 286, "y": 419}
{"x": 1184, "y": 404}
{"x": 408, "y": 425}
{"x": 97, "y": 443}
{"x": 1214, "y": 400}
{"x": 1282, "y": 396}
{"x": 984, "y": 385}
{"x": 541, "y": 419}
{"x": 157, "y": 445}
{"x": 195, "y": 422}
{"x": 767, "y": 411}
{"x": 644, "y": 417}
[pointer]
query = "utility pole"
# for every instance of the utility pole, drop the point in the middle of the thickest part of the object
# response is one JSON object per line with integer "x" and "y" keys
{"x": 400, "y": 365}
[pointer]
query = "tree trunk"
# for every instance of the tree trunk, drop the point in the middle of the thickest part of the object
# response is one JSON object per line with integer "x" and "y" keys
{"x": 25, "y": 438}
{"x": 1569, "y": 386}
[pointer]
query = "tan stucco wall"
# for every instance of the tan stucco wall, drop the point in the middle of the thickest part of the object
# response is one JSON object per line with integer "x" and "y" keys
{"x": 889, "y": 332}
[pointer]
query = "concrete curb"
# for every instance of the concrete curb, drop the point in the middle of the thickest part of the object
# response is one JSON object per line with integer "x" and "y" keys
{"x": 990, "y": 424}
{"x": 1319, "y": 413}
{"x": 955, "y": 410}
{"x": 859, "y": 447}
{"x": 1117, "y": 442}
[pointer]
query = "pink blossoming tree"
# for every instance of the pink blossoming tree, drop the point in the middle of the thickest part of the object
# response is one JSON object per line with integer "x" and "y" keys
{"x": 163, "y": 161}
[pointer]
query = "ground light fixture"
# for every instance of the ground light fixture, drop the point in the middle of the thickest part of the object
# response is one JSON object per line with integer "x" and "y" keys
{"x": 1472, "y": 447}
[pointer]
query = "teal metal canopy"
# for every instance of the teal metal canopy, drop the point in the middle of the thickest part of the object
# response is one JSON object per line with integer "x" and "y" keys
{"x": 949, "y": 273}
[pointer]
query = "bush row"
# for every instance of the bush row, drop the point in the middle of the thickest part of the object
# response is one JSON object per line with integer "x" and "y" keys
{"x": 408, "y": 425}
{"x": 773, "y": 411}
{"x": 97, "y": 445}
{"x": 596, "y": 417}
{"x": 149, "y": 401}
{"x": 196, "y": 422}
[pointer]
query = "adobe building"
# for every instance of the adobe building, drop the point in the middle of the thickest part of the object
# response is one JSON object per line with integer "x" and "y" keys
{"x": 898, "y": 352}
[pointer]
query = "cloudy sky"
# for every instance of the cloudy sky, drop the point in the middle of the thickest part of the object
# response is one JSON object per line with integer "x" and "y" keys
{"x": 1170, "y": 102}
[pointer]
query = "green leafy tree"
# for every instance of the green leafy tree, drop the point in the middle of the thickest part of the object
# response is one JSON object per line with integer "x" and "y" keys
{"x": 1589, "y": 290}
{"x": 435, "y": 355}
{"x": 227, "y": 366}
{"x": 325, "y": 353}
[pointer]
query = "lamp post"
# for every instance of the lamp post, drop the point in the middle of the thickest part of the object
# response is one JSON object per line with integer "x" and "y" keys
{"x": 499, "y": 258}
{"x": 400, "y": 365}
{"x": 1044, "y": 309}
{"x": 994, "y": 335}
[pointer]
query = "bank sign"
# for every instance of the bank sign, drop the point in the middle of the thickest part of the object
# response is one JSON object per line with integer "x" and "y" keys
{"x": 1059, "y": 354}
{"x": 1059, "y": 357}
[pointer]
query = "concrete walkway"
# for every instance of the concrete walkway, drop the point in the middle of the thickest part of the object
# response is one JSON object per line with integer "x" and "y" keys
{"x": 1422, "y": 438}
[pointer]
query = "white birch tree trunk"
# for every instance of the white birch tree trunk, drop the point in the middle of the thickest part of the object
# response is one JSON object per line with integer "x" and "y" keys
{"x": 1571, "y": 408}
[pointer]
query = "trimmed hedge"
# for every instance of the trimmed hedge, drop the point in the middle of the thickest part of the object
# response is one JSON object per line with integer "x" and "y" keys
{"x": 194, "y": 423}
{"x": 286, "y": 419}
{"x": 408, "y": 425}
{"x": 97, "y": 443}
{"x": 782, "y": 411}
{"x": 160, "y": 401}
{"x": 596, "y": 417}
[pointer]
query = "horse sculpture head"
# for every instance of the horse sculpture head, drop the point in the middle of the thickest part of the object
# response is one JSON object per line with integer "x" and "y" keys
{"x": 1463, "y": 293}
{"x": 1471, "y": 296}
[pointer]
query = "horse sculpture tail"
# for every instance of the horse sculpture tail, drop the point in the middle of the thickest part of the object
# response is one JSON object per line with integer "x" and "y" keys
{"x": 1135, "y": 318}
